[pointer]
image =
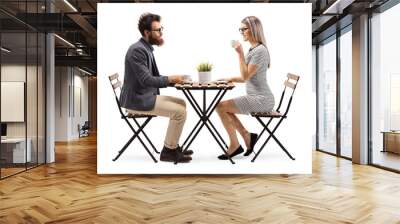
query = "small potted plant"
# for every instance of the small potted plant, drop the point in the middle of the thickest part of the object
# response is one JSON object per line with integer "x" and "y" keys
{"x": 204, "y": 70}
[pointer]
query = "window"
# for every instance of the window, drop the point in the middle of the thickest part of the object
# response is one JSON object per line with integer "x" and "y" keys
{"x": 327, "y": 96}
{"x": 22, "y": 64}
{"x": 385, "y": 89}
{"x": 346, "y": 93}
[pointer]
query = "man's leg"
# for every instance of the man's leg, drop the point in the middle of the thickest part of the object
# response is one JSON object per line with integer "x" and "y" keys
{"x": 183, "y": 104}
{"x": 175, "y": 109}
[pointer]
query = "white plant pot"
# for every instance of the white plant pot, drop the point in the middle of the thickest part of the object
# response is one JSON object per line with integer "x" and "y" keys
{"x": 204, "y": 77}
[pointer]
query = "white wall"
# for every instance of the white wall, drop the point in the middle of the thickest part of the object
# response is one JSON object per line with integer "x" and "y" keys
{"x": 16, "y": 73}
{"x": 61, "y": 103}
{"x": 68, "y": 81}
{"x": 81, "y": 83}
{"x": 33, "y": 127}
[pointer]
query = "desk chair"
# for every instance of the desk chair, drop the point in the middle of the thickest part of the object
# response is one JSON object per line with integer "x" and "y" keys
{"x": 84, "y": 129}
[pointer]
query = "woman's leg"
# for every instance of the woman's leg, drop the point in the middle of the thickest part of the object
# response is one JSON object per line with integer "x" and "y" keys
{"x": 225, "y": 109}
{"x": 241, "y": 129}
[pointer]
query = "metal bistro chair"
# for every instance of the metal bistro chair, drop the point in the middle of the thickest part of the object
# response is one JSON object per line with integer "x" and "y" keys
{"x": 291, "y": 83}
{"x": 116, "y": 86}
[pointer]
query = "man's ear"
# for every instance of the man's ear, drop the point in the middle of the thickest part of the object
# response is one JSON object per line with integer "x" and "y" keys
{"x": 146, "y": 33}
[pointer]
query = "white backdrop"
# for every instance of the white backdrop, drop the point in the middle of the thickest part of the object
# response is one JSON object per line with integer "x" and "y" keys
{"x": 202, "y": 32}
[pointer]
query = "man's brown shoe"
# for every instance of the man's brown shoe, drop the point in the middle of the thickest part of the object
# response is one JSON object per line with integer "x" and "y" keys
{"x": 174, "y": 155}
{"x": 187, "y": 152}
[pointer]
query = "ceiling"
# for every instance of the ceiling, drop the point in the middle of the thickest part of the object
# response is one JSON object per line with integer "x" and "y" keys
{"x": 76, "y": 22}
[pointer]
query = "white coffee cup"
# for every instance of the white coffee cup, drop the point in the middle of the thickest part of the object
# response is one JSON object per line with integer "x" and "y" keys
{"x": 234, "y": 43}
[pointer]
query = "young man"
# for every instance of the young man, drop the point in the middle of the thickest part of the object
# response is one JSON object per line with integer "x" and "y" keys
{"x": 140, "y": 91}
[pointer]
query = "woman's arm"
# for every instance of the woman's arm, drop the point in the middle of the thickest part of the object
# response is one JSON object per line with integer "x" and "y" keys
{"x": 246, "y": 71}
{"x": 233, "y": 79}
{"x": 250, "y": 69}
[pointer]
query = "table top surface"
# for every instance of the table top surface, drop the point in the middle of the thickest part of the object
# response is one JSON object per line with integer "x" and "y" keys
{"x": 205, "y": 86}
{"x": 13, "y": 140}
{"x": 391, "y": 132}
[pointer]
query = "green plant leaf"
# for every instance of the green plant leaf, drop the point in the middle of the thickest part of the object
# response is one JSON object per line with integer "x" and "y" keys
{"x": 204, "y": 67}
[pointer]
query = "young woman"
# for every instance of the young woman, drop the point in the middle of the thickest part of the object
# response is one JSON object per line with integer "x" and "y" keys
{"x": 259, "y": 98}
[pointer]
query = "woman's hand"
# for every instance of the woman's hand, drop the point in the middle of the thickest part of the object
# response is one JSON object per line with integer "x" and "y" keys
{"x": 238, "y": 48}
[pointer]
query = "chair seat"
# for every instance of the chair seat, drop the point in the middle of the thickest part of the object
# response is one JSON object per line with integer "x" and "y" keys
{"x": 130, "y": 115}
{"x": 267, "y": 114}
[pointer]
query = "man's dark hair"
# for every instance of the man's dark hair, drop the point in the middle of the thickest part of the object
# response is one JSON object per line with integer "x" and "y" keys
{"x": 145, "y": 21}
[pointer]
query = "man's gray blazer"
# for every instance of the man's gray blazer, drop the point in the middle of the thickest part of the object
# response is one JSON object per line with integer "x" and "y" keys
{"x": 142, "y": 79}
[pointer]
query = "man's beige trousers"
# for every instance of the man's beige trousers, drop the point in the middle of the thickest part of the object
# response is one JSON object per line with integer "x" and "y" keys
{"x": 175, "y": 109}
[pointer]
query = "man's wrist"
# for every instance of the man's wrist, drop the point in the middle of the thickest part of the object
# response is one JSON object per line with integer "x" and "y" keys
{"x": 164, "y": 81}
{"x": 170, "y": 79}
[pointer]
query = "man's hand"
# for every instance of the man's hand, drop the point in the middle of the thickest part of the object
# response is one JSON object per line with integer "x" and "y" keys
{"x": 176, "y": 79}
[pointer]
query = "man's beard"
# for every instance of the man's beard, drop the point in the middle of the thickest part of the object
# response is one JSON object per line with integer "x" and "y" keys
{"x": 155, "y": 41}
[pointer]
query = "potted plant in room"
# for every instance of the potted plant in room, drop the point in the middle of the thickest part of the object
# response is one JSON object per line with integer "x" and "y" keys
{"x": 204, "y": 70}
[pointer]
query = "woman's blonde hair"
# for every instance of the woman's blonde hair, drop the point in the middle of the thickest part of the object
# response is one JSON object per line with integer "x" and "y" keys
{"x": 256, "y": 30}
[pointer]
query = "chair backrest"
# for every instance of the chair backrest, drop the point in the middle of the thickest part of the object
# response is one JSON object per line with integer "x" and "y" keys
{"x": 290, "y": 85}
{"x": 86, "y": 125}
{"x": 116, "y": 87}
{"x": 115, "y": 83}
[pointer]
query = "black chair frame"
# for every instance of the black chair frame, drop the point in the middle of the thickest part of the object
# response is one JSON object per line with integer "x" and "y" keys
{"x": 116, "y": 85}
{"x": 291, "y": 83}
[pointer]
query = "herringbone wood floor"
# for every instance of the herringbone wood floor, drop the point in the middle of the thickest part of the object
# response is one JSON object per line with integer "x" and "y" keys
{"x": 70, "y": 191}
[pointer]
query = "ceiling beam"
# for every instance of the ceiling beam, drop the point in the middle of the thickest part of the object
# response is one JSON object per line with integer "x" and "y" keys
{"x": 337, "y": 6}
{"x": 84, "y": 24}
{"x": 83, "y": 61}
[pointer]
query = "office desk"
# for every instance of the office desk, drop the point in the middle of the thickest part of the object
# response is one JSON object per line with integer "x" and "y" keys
{"x": 391, "y": 141}
{"x": 13, "y": 150}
